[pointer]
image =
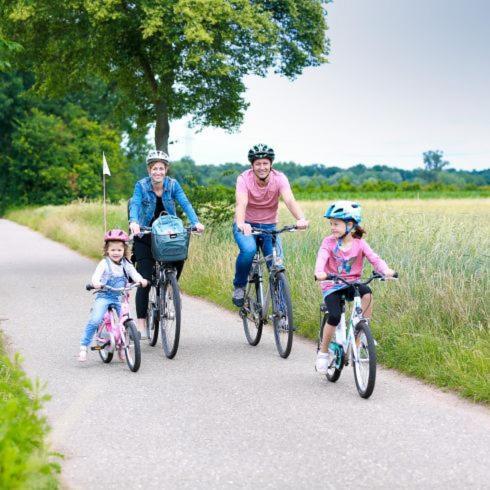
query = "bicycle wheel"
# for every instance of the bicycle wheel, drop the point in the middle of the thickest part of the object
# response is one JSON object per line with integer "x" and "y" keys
{"x": 152, "y": 317}
{"x": 335, "y": 369}
{"x": 106, "y": 353}
{"x": 365, "y": 365}
{"x": 132, "y": 347}
{"x": 251, "y": 313}
{"x": 282, "y": 314}
{"x": 170, "y": 316}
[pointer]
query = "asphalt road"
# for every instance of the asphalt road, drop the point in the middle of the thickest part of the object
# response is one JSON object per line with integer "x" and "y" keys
{"x": 222, "y": 414}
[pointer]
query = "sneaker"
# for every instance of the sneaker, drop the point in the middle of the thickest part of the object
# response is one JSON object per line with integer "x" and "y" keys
{"x": 323, "y": 361}
{"x": 238, "y": 296}
{"x": 122, "y": 355}
{"x": 82, "y": 356}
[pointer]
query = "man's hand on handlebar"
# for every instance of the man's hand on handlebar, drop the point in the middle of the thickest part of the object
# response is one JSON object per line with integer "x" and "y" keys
{"x": 302, "y": 224}
{"x": 245, "y": 228}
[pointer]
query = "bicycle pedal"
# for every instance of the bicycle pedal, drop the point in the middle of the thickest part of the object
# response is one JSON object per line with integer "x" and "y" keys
{"x": 96, "y": 347}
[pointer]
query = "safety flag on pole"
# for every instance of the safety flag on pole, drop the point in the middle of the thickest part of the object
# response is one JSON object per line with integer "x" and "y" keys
{"x": 105, "y": 167}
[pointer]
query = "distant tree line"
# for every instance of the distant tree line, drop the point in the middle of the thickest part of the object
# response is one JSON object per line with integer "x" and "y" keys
{"x": 376, "y": 178}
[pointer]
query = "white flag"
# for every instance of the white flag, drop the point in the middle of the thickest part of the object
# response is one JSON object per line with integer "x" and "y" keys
{"x": 105, "y": 167}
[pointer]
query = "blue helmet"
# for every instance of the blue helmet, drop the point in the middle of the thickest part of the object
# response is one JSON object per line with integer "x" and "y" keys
{"x": 345, "y": 210}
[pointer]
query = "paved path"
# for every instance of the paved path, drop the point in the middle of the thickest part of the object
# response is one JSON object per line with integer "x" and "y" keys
{"x": 221, "y": 414}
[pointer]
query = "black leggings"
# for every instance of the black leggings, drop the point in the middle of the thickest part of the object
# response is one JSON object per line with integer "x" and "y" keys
{"x": 144, "y": 265}
{"x": 332, "y": 301}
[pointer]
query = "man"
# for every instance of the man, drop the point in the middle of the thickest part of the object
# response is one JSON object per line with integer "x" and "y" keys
{"x": 257, "y": 199}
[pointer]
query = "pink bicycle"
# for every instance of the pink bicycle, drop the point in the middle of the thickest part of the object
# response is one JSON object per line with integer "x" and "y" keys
{"x": 118, "y": 333}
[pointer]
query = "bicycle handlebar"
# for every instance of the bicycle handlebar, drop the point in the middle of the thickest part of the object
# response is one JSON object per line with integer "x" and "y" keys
{"x": 89, "y": 287}
{"x": 146, "y": 230}
{"x": 375, "y": 275}
{"x": 260, "y": 231}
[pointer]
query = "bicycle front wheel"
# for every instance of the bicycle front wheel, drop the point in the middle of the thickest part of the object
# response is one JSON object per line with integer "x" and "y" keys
{"x": 152, "y": 317}
{"x": 170, "y": 312}
{"x": 251, "y": 314}
{"x": 132, "y": 347}
{"x": 364, "y": 363}
{"x": 282, "y": 314}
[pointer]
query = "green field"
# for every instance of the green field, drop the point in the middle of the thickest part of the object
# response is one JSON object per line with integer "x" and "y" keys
{"x": 433, "y": 323}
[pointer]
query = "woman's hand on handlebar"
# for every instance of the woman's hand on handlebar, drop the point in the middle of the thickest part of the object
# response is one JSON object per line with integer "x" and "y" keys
{"x": 135, "y": 228}
{"x": 199, "y": 227}
{"x": 143, "y": 283}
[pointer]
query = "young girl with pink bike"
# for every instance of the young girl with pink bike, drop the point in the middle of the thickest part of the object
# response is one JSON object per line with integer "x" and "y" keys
{"x": 111, "y": 276}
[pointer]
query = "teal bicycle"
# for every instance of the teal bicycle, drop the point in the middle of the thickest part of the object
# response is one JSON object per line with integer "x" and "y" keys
{"x": 354, "y": 344}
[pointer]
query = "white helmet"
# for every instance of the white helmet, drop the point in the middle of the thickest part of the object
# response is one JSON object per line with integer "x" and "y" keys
{"x": 345, "y": 210}
{"x": 157, "y": 156}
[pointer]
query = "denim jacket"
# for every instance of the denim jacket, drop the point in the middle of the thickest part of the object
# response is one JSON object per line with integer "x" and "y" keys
{"x": 143, "y": 203}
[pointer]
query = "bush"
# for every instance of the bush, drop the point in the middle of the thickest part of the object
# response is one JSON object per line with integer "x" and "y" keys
{"x": 24, "y": 459}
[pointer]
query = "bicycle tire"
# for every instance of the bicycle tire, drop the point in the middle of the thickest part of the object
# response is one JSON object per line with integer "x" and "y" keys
{"x": 170, "y": 315}
{"x": 132, "y": 347}
{"x": 366, "y": 360}
{"x": 282, "y": 314}
{"x": 334, "y": 372}
{"x": 152, "y": 316}
{"x": 105, "y": 354}
{"x": 252, "y": 326}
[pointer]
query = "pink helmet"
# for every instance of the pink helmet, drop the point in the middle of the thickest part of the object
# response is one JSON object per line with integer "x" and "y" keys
{"x": 116, "y": 235}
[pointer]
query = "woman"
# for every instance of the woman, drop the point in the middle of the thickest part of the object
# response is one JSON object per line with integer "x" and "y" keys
{"x": 152, "y": 195}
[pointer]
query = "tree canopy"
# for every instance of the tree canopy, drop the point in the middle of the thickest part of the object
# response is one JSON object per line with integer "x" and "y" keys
{"x": 167, "y": 58}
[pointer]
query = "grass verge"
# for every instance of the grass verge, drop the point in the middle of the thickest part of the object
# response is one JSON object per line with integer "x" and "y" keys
{"x": 25, "y": 460}
{"x": 432, "y": 324}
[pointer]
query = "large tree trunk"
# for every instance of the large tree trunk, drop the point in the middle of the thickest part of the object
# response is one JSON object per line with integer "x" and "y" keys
{"x": 162, "y": 128}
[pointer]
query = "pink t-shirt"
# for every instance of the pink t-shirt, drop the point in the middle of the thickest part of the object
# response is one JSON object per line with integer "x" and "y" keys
{"x": 262, "y": 201}
{"x": 346, "y": 263}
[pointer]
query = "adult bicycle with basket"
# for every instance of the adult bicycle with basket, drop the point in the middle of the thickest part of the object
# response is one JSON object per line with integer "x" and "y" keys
{"x": 164, "y": 303}
{"x": 118, "y": 333}
{"x": 354, "y": 344}
{"x": 255, "y": 310}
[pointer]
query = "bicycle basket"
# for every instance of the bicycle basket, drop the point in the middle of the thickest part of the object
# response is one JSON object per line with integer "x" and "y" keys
{"x": 169, "y": 239}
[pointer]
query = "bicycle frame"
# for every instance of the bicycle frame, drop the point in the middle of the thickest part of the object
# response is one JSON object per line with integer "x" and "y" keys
{"x": 348, "y": 344}
{"x": 258, "y": 264}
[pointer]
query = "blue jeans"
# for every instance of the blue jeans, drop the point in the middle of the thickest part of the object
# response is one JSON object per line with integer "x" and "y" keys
{"x": 101, "y": 304}
{"x": 248, "y": 248}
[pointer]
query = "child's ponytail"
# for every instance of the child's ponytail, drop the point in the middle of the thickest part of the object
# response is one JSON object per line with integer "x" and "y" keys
{"x": 358, "y": 231}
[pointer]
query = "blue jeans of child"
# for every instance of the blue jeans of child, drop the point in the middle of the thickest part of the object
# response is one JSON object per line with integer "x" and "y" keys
{"x": 101, "y": 304}
{"x": 248, "y": 248}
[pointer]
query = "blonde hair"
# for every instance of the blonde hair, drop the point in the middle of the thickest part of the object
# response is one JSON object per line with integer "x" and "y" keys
{"x": 127, "y": 251}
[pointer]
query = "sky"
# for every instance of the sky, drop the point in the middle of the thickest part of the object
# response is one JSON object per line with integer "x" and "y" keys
{"x": 403, "y": 77}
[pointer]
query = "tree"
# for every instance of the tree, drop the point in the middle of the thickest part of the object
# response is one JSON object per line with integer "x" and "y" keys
{"x": 433, "y": 161}
{"x": 167, "y": 58}
{"x": 7, "y": 49}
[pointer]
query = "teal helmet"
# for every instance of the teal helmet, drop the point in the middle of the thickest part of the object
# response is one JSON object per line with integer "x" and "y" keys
{"x": 345, "y": 210}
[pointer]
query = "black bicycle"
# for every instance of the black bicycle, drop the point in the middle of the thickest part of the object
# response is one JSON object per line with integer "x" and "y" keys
{"x": 254, "y": 312}
{"x": 164, "y": 304}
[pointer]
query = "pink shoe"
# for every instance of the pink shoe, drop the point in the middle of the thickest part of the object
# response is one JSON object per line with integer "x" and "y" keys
{"x": 82, "y": 356}
{"x": 122, "y": 355}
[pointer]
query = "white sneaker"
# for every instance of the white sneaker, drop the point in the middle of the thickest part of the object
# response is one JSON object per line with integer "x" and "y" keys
{"x": 323, "y": 361}
{"x": 82, "y": 356}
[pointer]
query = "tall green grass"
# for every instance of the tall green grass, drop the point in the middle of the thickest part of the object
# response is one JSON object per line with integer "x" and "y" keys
{"x": 433, "y": 323}
{"x": 25, "y": 460}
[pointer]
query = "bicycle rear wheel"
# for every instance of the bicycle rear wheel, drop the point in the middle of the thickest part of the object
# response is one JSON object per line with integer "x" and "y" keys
{"x": 152, "y": 316}
{"x": 335, "y": 369}
{"x": 170, "y": 313}
{"x": 282, "y": 314}
{"x": 365, "y": 364}
{"x": 106, "y": 353}
{"x": 132, "y": 347}
{"x": 251, "y": 313}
